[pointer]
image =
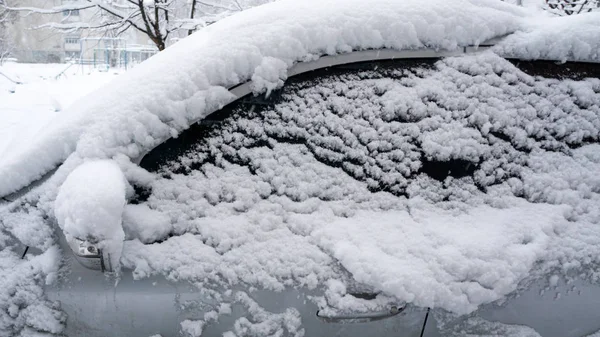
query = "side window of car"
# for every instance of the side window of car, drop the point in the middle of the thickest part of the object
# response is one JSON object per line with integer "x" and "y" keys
{"x": 443, "y": 130}
{"x": 338, "y": 114}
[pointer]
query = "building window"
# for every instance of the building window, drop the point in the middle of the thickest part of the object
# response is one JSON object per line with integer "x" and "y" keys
{"x": 71, "y": 40}
{"x": 71, "y": 55}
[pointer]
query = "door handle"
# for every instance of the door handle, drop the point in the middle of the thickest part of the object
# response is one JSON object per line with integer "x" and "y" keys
{"x": 361, "y": 317}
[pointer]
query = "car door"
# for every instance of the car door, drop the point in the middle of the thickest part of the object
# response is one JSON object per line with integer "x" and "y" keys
{"x": 160, "y": 303}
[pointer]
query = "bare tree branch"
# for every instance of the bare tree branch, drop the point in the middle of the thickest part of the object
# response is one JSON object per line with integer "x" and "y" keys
{"x": 5, "y": 41}
{"x": 53, "y": 10}
{"x": 192, "y": 13}
{"x": 159, "y": 20}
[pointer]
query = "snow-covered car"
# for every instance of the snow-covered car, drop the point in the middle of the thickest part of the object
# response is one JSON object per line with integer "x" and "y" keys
{"x": 351, "y": 168}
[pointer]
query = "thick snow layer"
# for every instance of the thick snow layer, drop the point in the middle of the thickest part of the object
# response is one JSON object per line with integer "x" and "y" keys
{"x": 338, "y": 179}
{"x": 264, "y": 209}
{"x": 90, "y": 203}
{"x": 145, "y": 224}
{"x": 43, "y": 93}
{"x": 429, "y": 255}
{"x": 28, "y": 226}
{"x": 23, "y": 306}
{"x": 161, "y": 97}
{"x": 575, "y": 37}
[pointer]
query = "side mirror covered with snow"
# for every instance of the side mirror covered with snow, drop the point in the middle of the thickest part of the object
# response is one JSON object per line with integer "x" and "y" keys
{"x": 90, "y": 256}
{"x": 89, "y": 206}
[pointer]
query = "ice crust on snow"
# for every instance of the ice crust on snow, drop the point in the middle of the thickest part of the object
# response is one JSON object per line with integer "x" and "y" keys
{"x": 90, "y": 203}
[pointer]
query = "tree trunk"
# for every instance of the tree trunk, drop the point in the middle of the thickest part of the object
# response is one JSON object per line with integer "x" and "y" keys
{"x": 192, "y": 11}
{"x": 160, "y": 44}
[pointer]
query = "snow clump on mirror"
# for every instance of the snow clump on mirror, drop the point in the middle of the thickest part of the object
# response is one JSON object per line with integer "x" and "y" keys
{"x": 89, "y": 206}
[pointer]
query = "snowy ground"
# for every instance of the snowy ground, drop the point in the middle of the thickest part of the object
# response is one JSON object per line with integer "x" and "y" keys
{"x": 45, "y": 90}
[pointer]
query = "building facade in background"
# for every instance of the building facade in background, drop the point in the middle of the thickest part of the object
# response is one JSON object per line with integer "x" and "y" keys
{"x": 33, "y": 43}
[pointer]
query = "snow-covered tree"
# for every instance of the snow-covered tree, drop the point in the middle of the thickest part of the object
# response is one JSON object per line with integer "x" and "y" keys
{"x": 570, "y": 7}
{"x": 160, "y": 20}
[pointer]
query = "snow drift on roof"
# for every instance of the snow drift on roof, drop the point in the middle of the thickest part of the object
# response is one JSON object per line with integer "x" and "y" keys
{"x": 164, "y": 95}
{"x": 574, "y": 37}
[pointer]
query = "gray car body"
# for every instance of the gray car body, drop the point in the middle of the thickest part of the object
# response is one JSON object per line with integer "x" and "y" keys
{"x": 97, "y": 307}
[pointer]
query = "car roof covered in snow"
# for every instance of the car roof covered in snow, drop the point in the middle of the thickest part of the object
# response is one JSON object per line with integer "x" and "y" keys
{"x": 163, "y": 96}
